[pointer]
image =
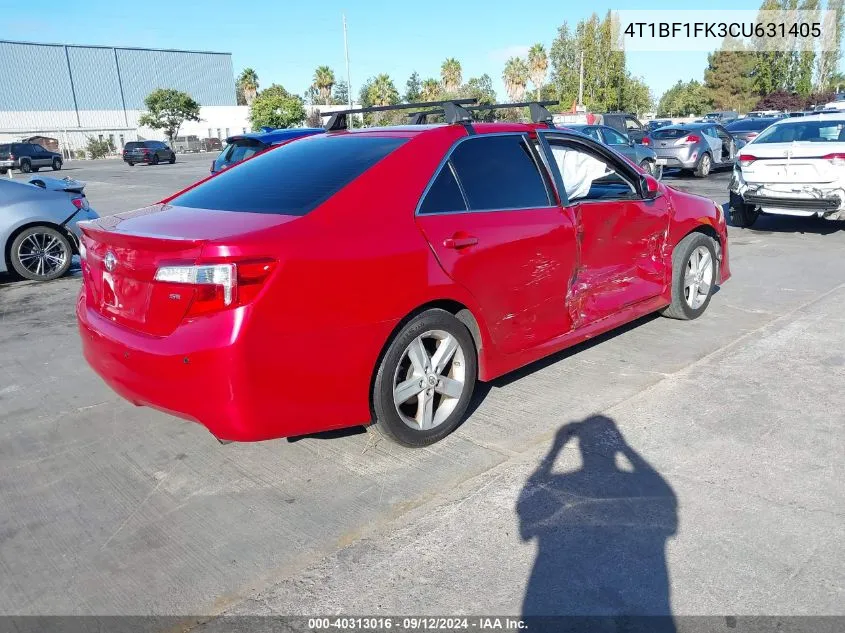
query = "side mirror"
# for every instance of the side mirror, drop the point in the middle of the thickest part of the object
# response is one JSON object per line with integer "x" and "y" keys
{"x": 649, "y": 187}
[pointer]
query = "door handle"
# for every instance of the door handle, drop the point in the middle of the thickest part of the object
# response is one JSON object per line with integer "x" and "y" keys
{"x": 460, "y": 242}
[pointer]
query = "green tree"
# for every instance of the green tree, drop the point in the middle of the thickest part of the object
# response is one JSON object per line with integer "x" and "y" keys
{"x": 98, "y": 148}
{"x": 827, "y": 62}
{"x": 538, "y": 66}
{"x": 479, "y": 88}
{"x": 729, "y": 77}
{"x": 450, "y": 75}
{"x": 340, "y": 93}
{"x": 248, "y": 84}
{"x": 515, "y": 76}
{"x": 311, "y": 96}
{"x": 413, "y": 88}
{"x": 684, "y": 99}
{"x": 637, "y": 94}
{"x": 430, "y": 90}
{"x": 167, "y": 110}
{"x": 275, "y": 107}
{"x": 323, "y": 82}
{"x": 382, "y": 91}
{"x": 802, "y": 76}
{"x": 564, "y": 56}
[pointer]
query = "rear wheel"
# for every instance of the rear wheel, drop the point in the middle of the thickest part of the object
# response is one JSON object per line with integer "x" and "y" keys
{"x": 41, "y": 253}
{"x": 694, "y": 268}
{"x": 130, "y": 163}
{"x": 742, "y": 215}
{"x": 652, "y": 168}
{"x": 172, "y": 158}
{"x": 3, "y": 171}
{"x": 57, "y": 164}
{"x": 705, "y": 163}
{"x": 425, "y": 380}
{"x": 155, "y": 159}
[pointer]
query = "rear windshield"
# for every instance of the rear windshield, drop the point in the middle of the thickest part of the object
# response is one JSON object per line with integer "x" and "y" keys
{"x": 292, "y": 179}
{"x": 670, "y": 134}
{"x": 243, "y": 148}
{"x": 806, "y": 131}
{"x": 745, "y": 125}
{"x": 133, "y": 145}
{"x": 5, "y": 149}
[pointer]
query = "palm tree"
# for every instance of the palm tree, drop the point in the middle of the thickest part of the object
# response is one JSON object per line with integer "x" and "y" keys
{"x": 515, "y": 77}
{"x": 323, "y": 82}
{"x": 248, "y": 83}
{"x": 538, "y": 64}
{"x": 450, "y": 74}
{"x": 382, "y": 91}
{"x": 430, "y": 90}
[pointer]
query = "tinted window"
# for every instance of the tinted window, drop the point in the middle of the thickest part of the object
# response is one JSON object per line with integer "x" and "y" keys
{"x": 243, "y": 149}
{"x": 499, "y": 172}
{"x": 133, "y": 145}
{"x": 612, "y": 137}
{"x": 5, "y": 149}
{"x": 750, "y": 125}
{"x": 673, "y": 133}
{"x": 292, "y": 179}
{"x": 444, "y": 194}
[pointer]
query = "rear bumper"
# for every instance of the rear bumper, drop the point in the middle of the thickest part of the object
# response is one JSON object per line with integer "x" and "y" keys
{"x": 9, "y": 164}
{"x": 826, "y": 200}
{"x": 140, "y": 158}
{"x": 682, "y": 157}
{"x": 240, "y": 384}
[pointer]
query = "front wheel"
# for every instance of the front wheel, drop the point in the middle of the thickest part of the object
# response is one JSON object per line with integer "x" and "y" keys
{"x": 57, "y": 164}
{"x": 172, "y": 159}
{"x": 425, "y": 380}
{"x": 694, "y": 268}
{"x": 41, "y": 253}
{"x": 705, "y": 163}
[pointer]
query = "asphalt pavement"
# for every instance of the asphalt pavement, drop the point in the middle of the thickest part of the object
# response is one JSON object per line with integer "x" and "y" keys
{"x": 681, "y": 466}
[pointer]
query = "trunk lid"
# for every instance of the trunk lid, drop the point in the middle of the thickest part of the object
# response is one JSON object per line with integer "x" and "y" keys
{"x": 123, "y": 253}
{"x": 784, "y": 163}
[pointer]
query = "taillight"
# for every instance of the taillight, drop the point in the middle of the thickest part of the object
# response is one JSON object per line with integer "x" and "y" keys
{"x": 646, "y": 141}
{"x": 218, "y": 286}
{"x": 11, "y": 156}
{"x": 746, "y": 159}
{"x": 80, "y": 203}
{"x": 752, "y": 135}
{"x": 691, "y": 138}
{"x": 837, "y": 159}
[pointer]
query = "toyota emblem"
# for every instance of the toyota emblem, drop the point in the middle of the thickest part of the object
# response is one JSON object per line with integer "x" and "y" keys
{"x": 110, "y": 261}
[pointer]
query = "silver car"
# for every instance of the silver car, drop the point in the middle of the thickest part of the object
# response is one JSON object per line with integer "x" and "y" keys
{"x": 642, "y": 155}
{"x": 696, "y": 147}
{"x": 39, "y": 225}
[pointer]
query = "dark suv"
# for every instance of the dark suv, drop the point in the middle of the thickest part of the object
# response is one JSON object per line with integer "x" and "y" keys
{"x": 27, "y": 157}
{"x": 150, "y": 152}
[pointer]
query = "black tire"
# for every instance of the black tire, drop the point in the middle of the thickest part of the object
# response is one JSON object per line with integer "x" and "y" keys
{"x": 705, "y": 164}
{"x": 154, "y": 161}
{"x": 57, "y": 164}
{"x": 395, "y": 362}
{"x": 130, "y": 163}
{"x": 172, "y": 158}
{"x": 742, "y": 215}
{"x": 652, "y": 168}
{"x": 680, "y": 307}
{"x": 26, "y": 166}
{"x": 24, "y": 244}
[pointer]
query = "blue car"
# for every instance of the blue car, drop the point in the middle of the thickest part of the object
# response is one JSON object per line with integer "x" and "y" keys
{"x": 241, "y": 146}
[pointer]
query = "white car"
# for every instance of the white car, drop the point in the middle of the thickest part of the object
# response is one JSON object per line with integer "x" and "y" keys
{"x": 794, "y": 167}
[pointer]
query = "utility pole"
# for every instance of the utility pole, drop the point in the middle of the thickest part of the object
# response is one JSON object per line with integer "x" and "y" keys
{"x": 346, "y": 52}
{"x": 581, "y": 82}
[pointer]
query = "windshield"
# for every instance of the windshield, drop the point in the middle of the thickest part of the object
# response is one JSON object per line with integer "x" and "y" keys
{"x": 291, "y": 179}
{"x": 804, "y": 132}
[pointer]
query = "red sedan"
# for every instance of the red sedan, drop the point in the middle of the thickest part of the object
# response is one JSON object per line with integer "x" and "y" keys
{"x": 373, "y": 276}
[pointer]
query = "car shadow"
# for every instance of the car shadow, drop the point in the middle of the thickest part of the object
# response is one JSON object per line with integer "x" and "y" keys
{"x": 601, "y": 534}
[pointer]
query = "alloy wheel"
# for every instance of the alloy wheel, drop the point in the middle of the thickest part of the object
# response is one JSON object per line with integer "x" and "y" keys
{"x": 698, "y": 277}
{"x": 42, "y": 254}
{"x": 429, "y": 380}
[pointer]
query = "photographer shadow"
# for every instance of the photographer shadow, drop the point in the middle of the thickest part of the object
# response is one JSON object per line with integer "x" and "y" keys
{"x": 601, "y": 534}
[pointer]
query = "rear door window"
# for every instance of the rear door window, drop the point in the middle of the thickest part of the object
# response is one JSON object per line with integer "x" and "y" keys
{"x": 612, "y": 137}
{"x": 499, "y": 172}
{"x": 292, "y": 179}
{"x": 444, "y": 195}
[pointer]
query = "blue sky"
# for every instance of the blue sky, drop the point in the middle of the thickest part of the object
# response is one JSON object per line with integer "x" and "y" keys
{"x": 284, "y": 40}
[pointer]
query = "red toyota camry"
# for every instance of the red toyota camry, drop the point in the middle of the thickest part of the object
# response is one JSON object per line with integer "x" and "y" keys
{"x": 374, "y": 275}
